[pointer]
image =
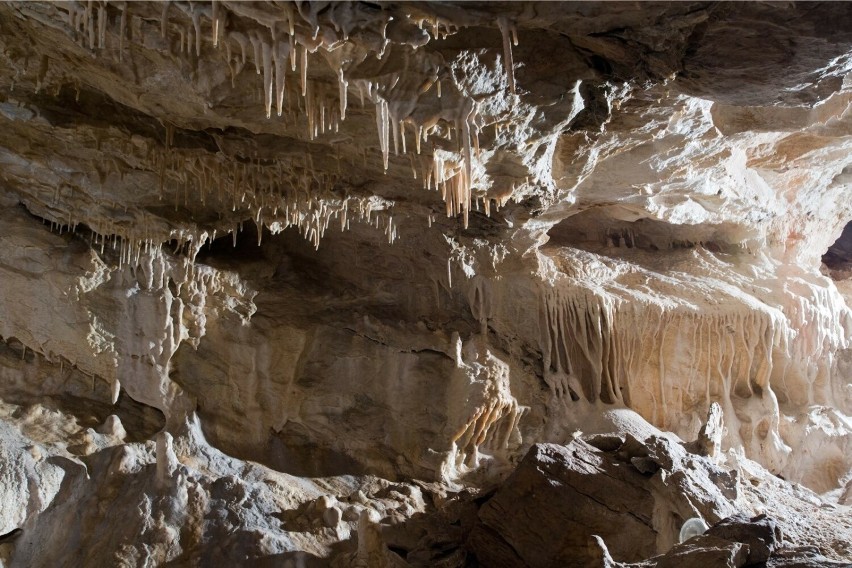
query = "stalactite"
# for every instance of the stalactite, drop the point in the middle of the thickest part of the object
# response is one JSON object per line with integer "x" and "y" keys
{"x": 90, "y": 27}
{"x": 256, "y": 48}
{"x": 304, "y": 71}
{"x": 383, "y": 125}
{"x": 215, "y": 17}
{"x": 196, "y": 26}
{"x": 280, "y": 54}
{"x": 42, "y": 72}
{"x": 164, "y": 18}
{"x": 505, "y": 29}
{"x": 451, "y": 174}
{"x": 122, "y": 30}
{"x": 343, "y": 93}
{"x": 102, "y": 24}
{"x": 268, "y": 78}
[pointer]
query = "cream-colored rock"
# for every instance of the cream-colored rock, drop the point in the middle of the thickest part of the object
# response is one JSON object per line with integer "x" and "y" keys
{"x": 407, "y": 240}
{"x": 29, "y": 482}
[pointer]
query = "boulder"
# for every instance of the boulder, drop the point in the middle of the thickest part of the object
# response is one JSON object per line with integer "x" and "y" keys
{"x": 760, "y": 533}
{"x": 705, "y": 551}
{"x": 556, "y": 500}
{"x": 631, "y": 499}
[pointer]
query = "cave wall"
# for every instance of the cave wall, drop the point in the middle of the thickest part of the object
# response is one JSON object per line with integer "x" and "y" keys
{"x": 413, "y": 240}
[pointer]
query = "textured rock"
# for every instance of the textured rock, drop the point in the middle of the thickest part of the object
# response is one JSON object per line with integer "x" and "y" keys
{"x": 709, "y": 440}
{"x": 253, "y": 255}
{"x": 29, "y": 480}
{"x": 705, "y": 551}
{"x": 577, "y": 506}
{"x": 186, "y": 169}
{"x": 559, "y": 497}
{"x": 556, "y": 499}
{"x": 760, "y": 534}
{"x": 804, "y": 557}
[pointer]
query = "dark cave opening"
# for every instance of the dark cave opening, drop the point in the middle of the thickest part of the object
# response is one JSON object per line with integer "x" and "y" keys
{"x": 838, "y": 257}
{"x": 244, "y": 246}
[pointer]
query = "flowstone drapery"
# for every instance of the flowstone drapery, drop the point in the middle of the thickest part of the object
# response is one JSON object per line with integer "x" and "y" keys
{"x": 306, "y": 282}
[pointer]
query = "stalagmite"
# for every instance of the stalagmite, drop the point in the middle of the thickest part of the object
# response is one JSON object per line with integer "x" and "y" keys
{"x": 167, "y": 462}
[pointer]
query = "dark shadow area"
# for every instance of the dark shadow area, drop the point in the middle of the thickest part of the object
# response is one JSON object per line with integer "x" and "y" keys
{"x": 74, "y": 107}
{"x": 10, "y": 536}
{"x": 611, "y": 227}
{"x": 291, "y": 451}
{"x": 438, "y": 536}
{"x": 725, "y": 58}
{"x": 273, "y": 263}
{"x": 232, "y": 250}
{"x": 67, "y": 390}
{"x": 838, "y": 257}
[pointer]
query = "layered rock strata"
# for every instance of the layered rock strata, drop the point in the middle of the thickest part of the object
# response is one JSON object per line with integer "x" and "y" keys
{"x": 302, "y": 282}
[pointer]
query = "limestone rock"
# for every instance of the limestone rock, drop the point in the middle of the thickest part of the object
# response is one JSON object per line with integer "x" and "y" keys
{"x": 559, "y": 497}
{"x": 802, "y": 557}
{"x": 268, "y": 269}
{"x": 704, "y": 550}
{"x": 556, "y": 499}
{"x": 760, "y": 534}
{"x": 846, "y": 496}
{"x": 578, "y": 505}
{"x": 29, "y": 481}
{"x": 709, "y": 440}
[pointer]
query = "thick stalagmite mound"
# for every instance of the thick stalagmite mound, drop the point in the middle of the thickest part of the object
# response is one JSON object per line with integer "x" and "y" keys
{"x": 343, "y": 283}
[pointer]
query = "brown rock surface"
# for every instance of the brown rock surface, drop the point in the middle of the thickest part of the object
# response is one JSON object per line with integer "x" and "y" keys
{"x": 269, "y": 269}
{"x": 561, "y": 496}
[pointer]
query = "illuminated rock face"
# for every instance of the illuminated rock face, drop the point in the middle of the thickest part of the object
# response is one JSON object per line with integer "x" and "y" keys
{"x": 408, "y": 241}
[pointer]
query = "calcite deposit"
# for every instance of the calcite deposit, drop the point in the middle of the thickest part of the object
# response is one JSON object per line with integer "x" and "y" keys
{"x": 425, "y": 284}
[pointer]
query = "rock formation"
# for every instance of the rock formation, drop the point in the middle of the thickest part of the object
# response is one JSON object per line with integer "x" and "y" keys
{"x": 376, "y": 284}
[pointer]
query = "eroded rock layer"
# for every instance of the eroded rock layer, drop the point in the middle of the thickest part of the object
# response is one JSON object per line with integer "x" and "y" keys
{"x": 304, "y": 283}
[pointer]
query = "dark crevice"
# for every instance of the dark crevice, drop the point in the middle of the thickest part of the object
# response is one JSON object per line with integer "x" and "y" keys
{"x": 608, "y": 228}
{"x": 385, "y": 343}
{"x": 838, "y": 257}
{"x": 615, "y": 32}
{"x": 73, "y": 107}
{"x": 600, "y": 65}
{"x": 10, "y": 536}
{"x": 74, "y": 392}
{"x": 371, "y": 6}
{"x": 403, "y": 553}
{"x": 240, "y": 248}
